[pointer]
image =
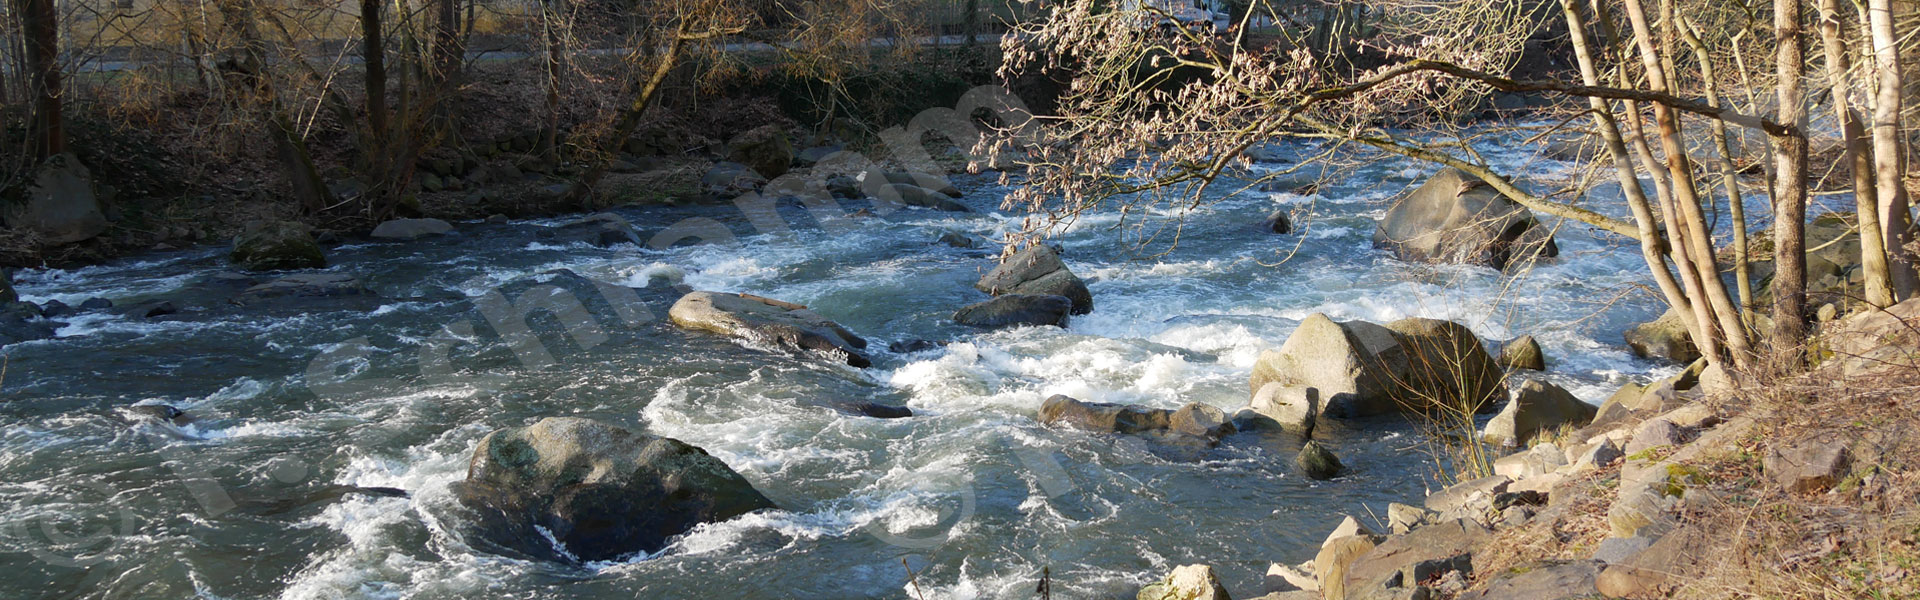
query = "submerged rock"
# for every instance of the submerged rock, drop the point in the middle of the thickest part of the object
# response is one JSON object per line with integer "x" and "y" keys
{"x": 1280, "y": 221}
{"x": 304, "y": 288}
{"x": 1038, "y": 270}
{"x": 1015, "y": 310}
{"x": 1455, "y": 217}
{"x": 1316, "y": 462}
{"x": 599, "y": 229}
{"x": 1523, "y": 353}
{"x": 155, "y": 412}
{"x": 767, "y": 321}
{"x": 570, "y": 488}
{"x": 278, "y": 245}
{"x": 1360, "y": 369}
{"x": 407, "y": 229}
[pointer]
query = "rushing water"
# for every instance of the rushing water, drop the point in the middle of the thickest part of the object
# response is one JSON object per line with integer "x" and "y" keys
{"x": 970, "y": 494}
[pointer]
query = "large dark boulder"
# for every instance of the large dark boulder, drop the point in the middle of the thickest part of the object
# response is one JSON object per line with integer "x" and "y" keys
{"x": 59, "y": 204}
{"x": 1038, "y": 270}
{"x": 277, "y": 245}
{"x": 1015, "y": 310}
{"x": 771, "y": 322}
{"x": 567, "y": 488}
{"x": 598, "y": 229}
{"x": 1457, "y": 218}
{"x": 407, "y": 229}
{"x": 765, "y": 149}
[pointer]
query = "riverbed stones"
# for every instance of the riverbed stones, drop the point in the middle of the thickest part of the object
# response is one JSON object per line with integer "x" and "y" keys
{"x": 1457, "y": 218}
{"x": 277, "y": 245}
{"x": 1561, "y": 580}
{"x": 936, "y": 183}
{"x": 1665, "y": 337}
{"x": 59, "y": 204}
{"x": 408, "y": 229}
{"x": 1015, "y": 310}
{"x": 729, "y": 180}
{"x": 1188, "y": 582}
{"x": 599, "y": 229}
{"x": 767, "y": 150}
{"x": 913, "y": 195}
{"x": 1418, "y": 556}
{"x": 578, "y": 489}
{"x": 783, "y": 325}
{"x": 1402, "y": 518}
{"x": 1195, "y": 421}
{"x": 1361, "y": 369}
{"x": 1523, "y": 353}
{"x": 1538, "y": 408}
{"x": 1038, "y": 270}
{"x": 304, "y": 287}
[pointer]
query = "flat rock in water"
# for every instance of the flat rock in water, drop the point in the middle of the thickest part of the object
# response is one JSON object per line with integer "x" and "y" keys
{"x": 600, "y": 229}
{"x": 407, "y": 229}
{"x": 303, "y": 287}
{"x": 1015, "y": 310}
{"x": 767, "y": 321}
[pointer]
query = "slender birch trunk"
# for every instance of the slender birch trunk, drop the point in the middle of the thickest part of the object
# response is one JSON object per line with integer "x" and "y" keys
{"x": 1889, "y": 159}
{"x": 1873, "y": 250}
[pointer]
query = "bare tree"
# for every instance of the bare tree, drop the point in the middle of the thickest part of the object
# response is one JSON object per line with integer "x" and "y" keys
{"x": 1873, "y": 250}
{"x": 1790, "y": 187}
{"x": 1888, "y": 155}
{"x": 39, "y": 24}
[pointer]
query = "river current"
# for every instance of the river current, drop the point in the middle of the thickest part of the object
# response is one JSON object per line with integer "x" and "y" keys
{"x": 968, "y": 498}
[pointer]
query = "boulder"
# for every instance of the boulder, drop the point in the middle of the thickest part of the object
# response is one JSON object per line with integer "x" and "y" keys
{"x": 1657, "y": 433}
{"x": 936, "y": 183}
{"x": 572, "y": 488}
{"x": 1294, "y": 407}
{"x": 767, "y": 321}
{"x": 1539, "y": 407}
{"x": 277, "y": 245}
{"x": 150, "y": 309}
{"x": 1361, "y": 369}
{"x": 59, "y": 204}
{"x": 1541, "y": 459}
{"x": 599, "y": 229}
{"x": 1038, "y": 270}
{"x": 958, "y": 240}
{"x": 18, "y": 324}
{"x": 1665, "y": 337}
{"x": 765, "y": 149}
{"x": 1316, "y": 462}
{"x": 53, "y": 309}
{"x": 1280, "y": 221}
{"x": 1808, "y": 466}
{"x": 1457, "y": 218}
{"x": 729, "y": 180}
{"x": 407, "y": 229}
{"x": 1335, "y": 561}
{"x": 1523, "y": 353}
{"x": 1467, "y": 496}
{"x": 1195, "y": 420}
{"x": 1597, "y": 456}
{"x": 1649, "y": 573}
{"x": 913, "y": 195}
{"x": 815, "y": 154}
{"x": 1015, "y": 310}
{"x": 1419, "y": 555}
{"x": 1402, "y": 518}
{"x": 96, "y": 304}
{"x": 1348, "y": 526}
{"x": 1190, "y": 582}
{"x": 302, "y": 287}
{"x": 158, "y": 413}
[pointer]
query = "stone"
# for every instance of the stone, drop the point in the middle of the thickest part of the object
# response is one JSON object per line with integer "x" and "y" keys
{"x": 160, "y": 413}
{"x": 770, "y": 322}
{"x": 1335, "y": 561}
{"x": 1037, "y": 270}
{"x": 302, "y": 286}
{"x": 96, "y": 304}
{"x": 1716, "y": 385}
{"x": 767, "y": 150}
{"x": 1418, "y": 555}
{"x": 1457, "y": 218}
{"x": 1523, "y": 353}
{"x": 407, "y": 229}
{"x": 574, "y": 489}
{"x": 1361, "y": 369}
{"x": 53, "y": 309}
{"x": 1550, "y": 581}
{"x": 1598, "y": 456}
{"x": 1617, "y": 550}
{"x": 1316, "y": 462}
{"x": 1295, "y": 408}
{"x": 938, "y": 184}
{"x": 1199, "y": 420}
{"x": 60, "y": 204}
{"x": 908, "y": 194}
{"x": 1189, "y": 582}
{"x": 1695, "y": 415}
{"x": 1467, "y": 494}
{"x": 497, "y": 219}
{"x": 958, "y": 240}
{"x": 1540, "y": 459}
{"x": 1402, "y": 518}
{"x": 914, "y": 345}
{"x": 1649, "y": 573}
{"x": 729, "y": 180}
{"x": 1280, "y": 221}
{"x": 1014, "y": 310}
{"x": 1283, "y": 577}
{"x": 815, "y": 154}
{"x": 150, "y": 309}
{"x": 277, "y": 245}
{"x": 883, "y": 411}
{"x": 1665, "y": 337}
{"x": 1538, "y": 408}
{"x": 599, "y": 229}
{"x": 1808, "y": 466}
{"x": 1656, "y": 433}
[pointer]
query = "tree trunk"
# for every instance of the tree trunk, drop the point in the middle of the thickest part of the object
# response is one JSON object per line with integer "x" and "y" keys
{"x": 1888, "y": 156}
{"x": 39, "y": 25}
{"x": 295, "y": 160}
{"x": 1627, "y": 176}
{"x": 374, "y": 54}
{"x": 1790, "y": 189}
{"x": 555, "y": 69}
{"x": 1873, "y": 251}
{"x": 1729, "y": 174}
{"x": 629, "y": 120}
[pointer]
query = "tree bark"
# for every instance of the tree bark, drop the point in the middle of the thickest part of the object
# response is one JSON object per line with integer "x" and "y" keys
{"x": 1729, "y": 174}
{"x": 373, "y": 54}
{"x": 1790, "y": 189}
{"x": 1888, "y": 156}
{"x": 1873, "y": 250}
{"x": 39, "y": 24}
